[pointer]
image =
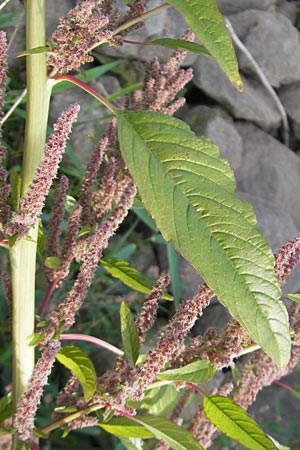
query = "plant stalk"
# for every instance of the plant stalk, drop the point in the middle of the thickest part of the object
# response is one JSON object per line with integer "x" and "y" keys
{"x": 23, "y": 253}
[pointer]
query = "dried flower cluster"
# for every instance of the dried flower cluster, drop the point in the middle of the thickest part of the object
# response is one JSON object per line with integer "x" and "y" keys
{"x": 89, "y": 24}
{"x": 32, "y": 204}
{"x": 30, "y": 399}
{"x": 4, "y": 187}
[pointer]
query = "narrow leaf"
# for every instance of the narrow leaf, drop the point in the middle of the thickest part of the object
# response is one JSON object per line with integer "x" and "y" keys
{"x": 188, "y": 188}
{"x": 33, "y": 51}
{"x": 15, "y": 182}
{"x": 126, "y": 428}
{"x": 207, "y": 23}
{"x": 6, "y": 407}
{"x": 129, "y": 332}
{"x": 123, "y": 271}
{"x": 177, "y": 438}
{"x": 180, "y": 44}
{"x": 195, "y": 372}
{"x": 294, "y": 297}
{"x": 234, "y": 422}
{"x": 74, "y": 359}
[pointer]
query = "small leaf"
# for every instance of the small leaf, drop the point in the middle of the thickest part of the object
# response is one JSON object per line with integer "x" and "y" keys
{"x": 180, "y": 44}
{"x": 66, "y": 409}
{"x": 177, "y": 438}
{"x": 207, "y": 23}
{"x": 33, "y": 51}
{"x": 39, "y": 434}
{"x": 129, "y": 332}
{"x": 74, "y": 359}
{"x": 53, "y": 262}
{"x": 195, "y": 372}
{"x": 133, "y": 443}
{"x": 295, "y": 392}
{"x": 126, "y": 428}
{"x": 36, "y": 339}
{"x": 6, "y": 407}
{"x": 15, "y": 182}
{"x": 294, "y": 297}
{"x": 12, "y": 239}
{"x": 234, "y": 422}
{"x": 123, "y": 271}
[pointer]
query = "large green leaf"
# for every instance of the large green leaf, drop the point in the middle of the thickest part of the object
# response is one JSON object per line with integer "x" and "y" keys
{"x": 74, "y": 359}
{"x": 207, "y": 23}
{"x": 233, "y": 421}
{"x": 130, "y": 339}
{"x": 188, "y": 189}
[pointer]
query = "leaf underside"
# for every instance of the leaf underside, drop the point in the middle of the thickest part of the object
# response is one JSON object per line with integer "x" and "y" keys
{"x": 188, "y": 188}
{"x": 74, "y": 359}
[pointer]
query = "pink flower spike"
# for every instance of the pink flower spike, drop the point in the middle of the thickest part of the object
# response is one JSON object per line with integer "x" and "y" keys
{"x": 30, "y": 399}
{"x": 3, "y": 67}
{"x": 32, "y": 204}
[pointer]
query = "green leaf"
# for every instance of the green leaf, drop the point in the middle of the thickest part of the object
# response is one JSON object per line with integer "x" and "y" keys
{"x": 160, "y": 401}
{"x": 129, "y": 333}
{"x": 7, "y": 19}
{"x": 133, "y": 443}
{"x": 188, "y": 188}
{"x": 33, "y": 51}
{"x": 6, "y": 407}
{"x": 126, "y": 428}
{"x": 294, "y": 297}
{"x": 36, "y": 339}
{"x": 195, "y": 372}
{"x": 123, "y": 271}
{"x": 233, "y": 421}
{"x": 177, "y": 438}
{"x": 180, "y": 44}
{"x": 74, "y": 359}
{"x": 53, "y": 262}
{"x": 15, "y": 182}
{"x": 207, "y": 23}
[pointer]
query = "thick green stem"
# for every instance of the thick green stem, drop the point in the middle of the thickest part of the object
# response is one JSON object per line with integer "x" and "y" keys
{"x": 23, "y": 254}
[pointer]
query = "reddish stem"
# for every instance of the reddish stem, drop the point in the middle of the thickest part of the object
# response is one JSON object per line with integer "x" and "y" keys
{"x": 85, "y": 87}
{"x": 196, "y": 388}
{"x": 46, "y": 300}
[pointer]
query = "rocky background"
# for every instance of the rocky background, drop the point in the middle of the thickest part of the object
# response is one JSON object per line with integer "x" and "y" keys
{"x": 258, "y": 131}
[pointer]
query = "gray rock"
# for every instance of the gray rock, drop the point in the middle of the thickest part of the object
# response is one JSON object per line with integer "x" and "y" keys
{"x": 289, "y": 9}
{"x": 236, "y": 6}
{"x": 91, "y": 124}
{"x": 254, "y": 104}
{"x": 167, "y": 23}
{"x": 219, "y": 127}
{"x": 269, "y": 170}
{"x": 290, "y": 97}
{"x": 273, "y": 42}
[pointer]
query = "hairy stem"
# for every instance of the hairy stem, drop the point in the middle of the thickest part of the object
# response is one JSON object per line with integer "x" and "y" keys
{"x": 23, "y": 254}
